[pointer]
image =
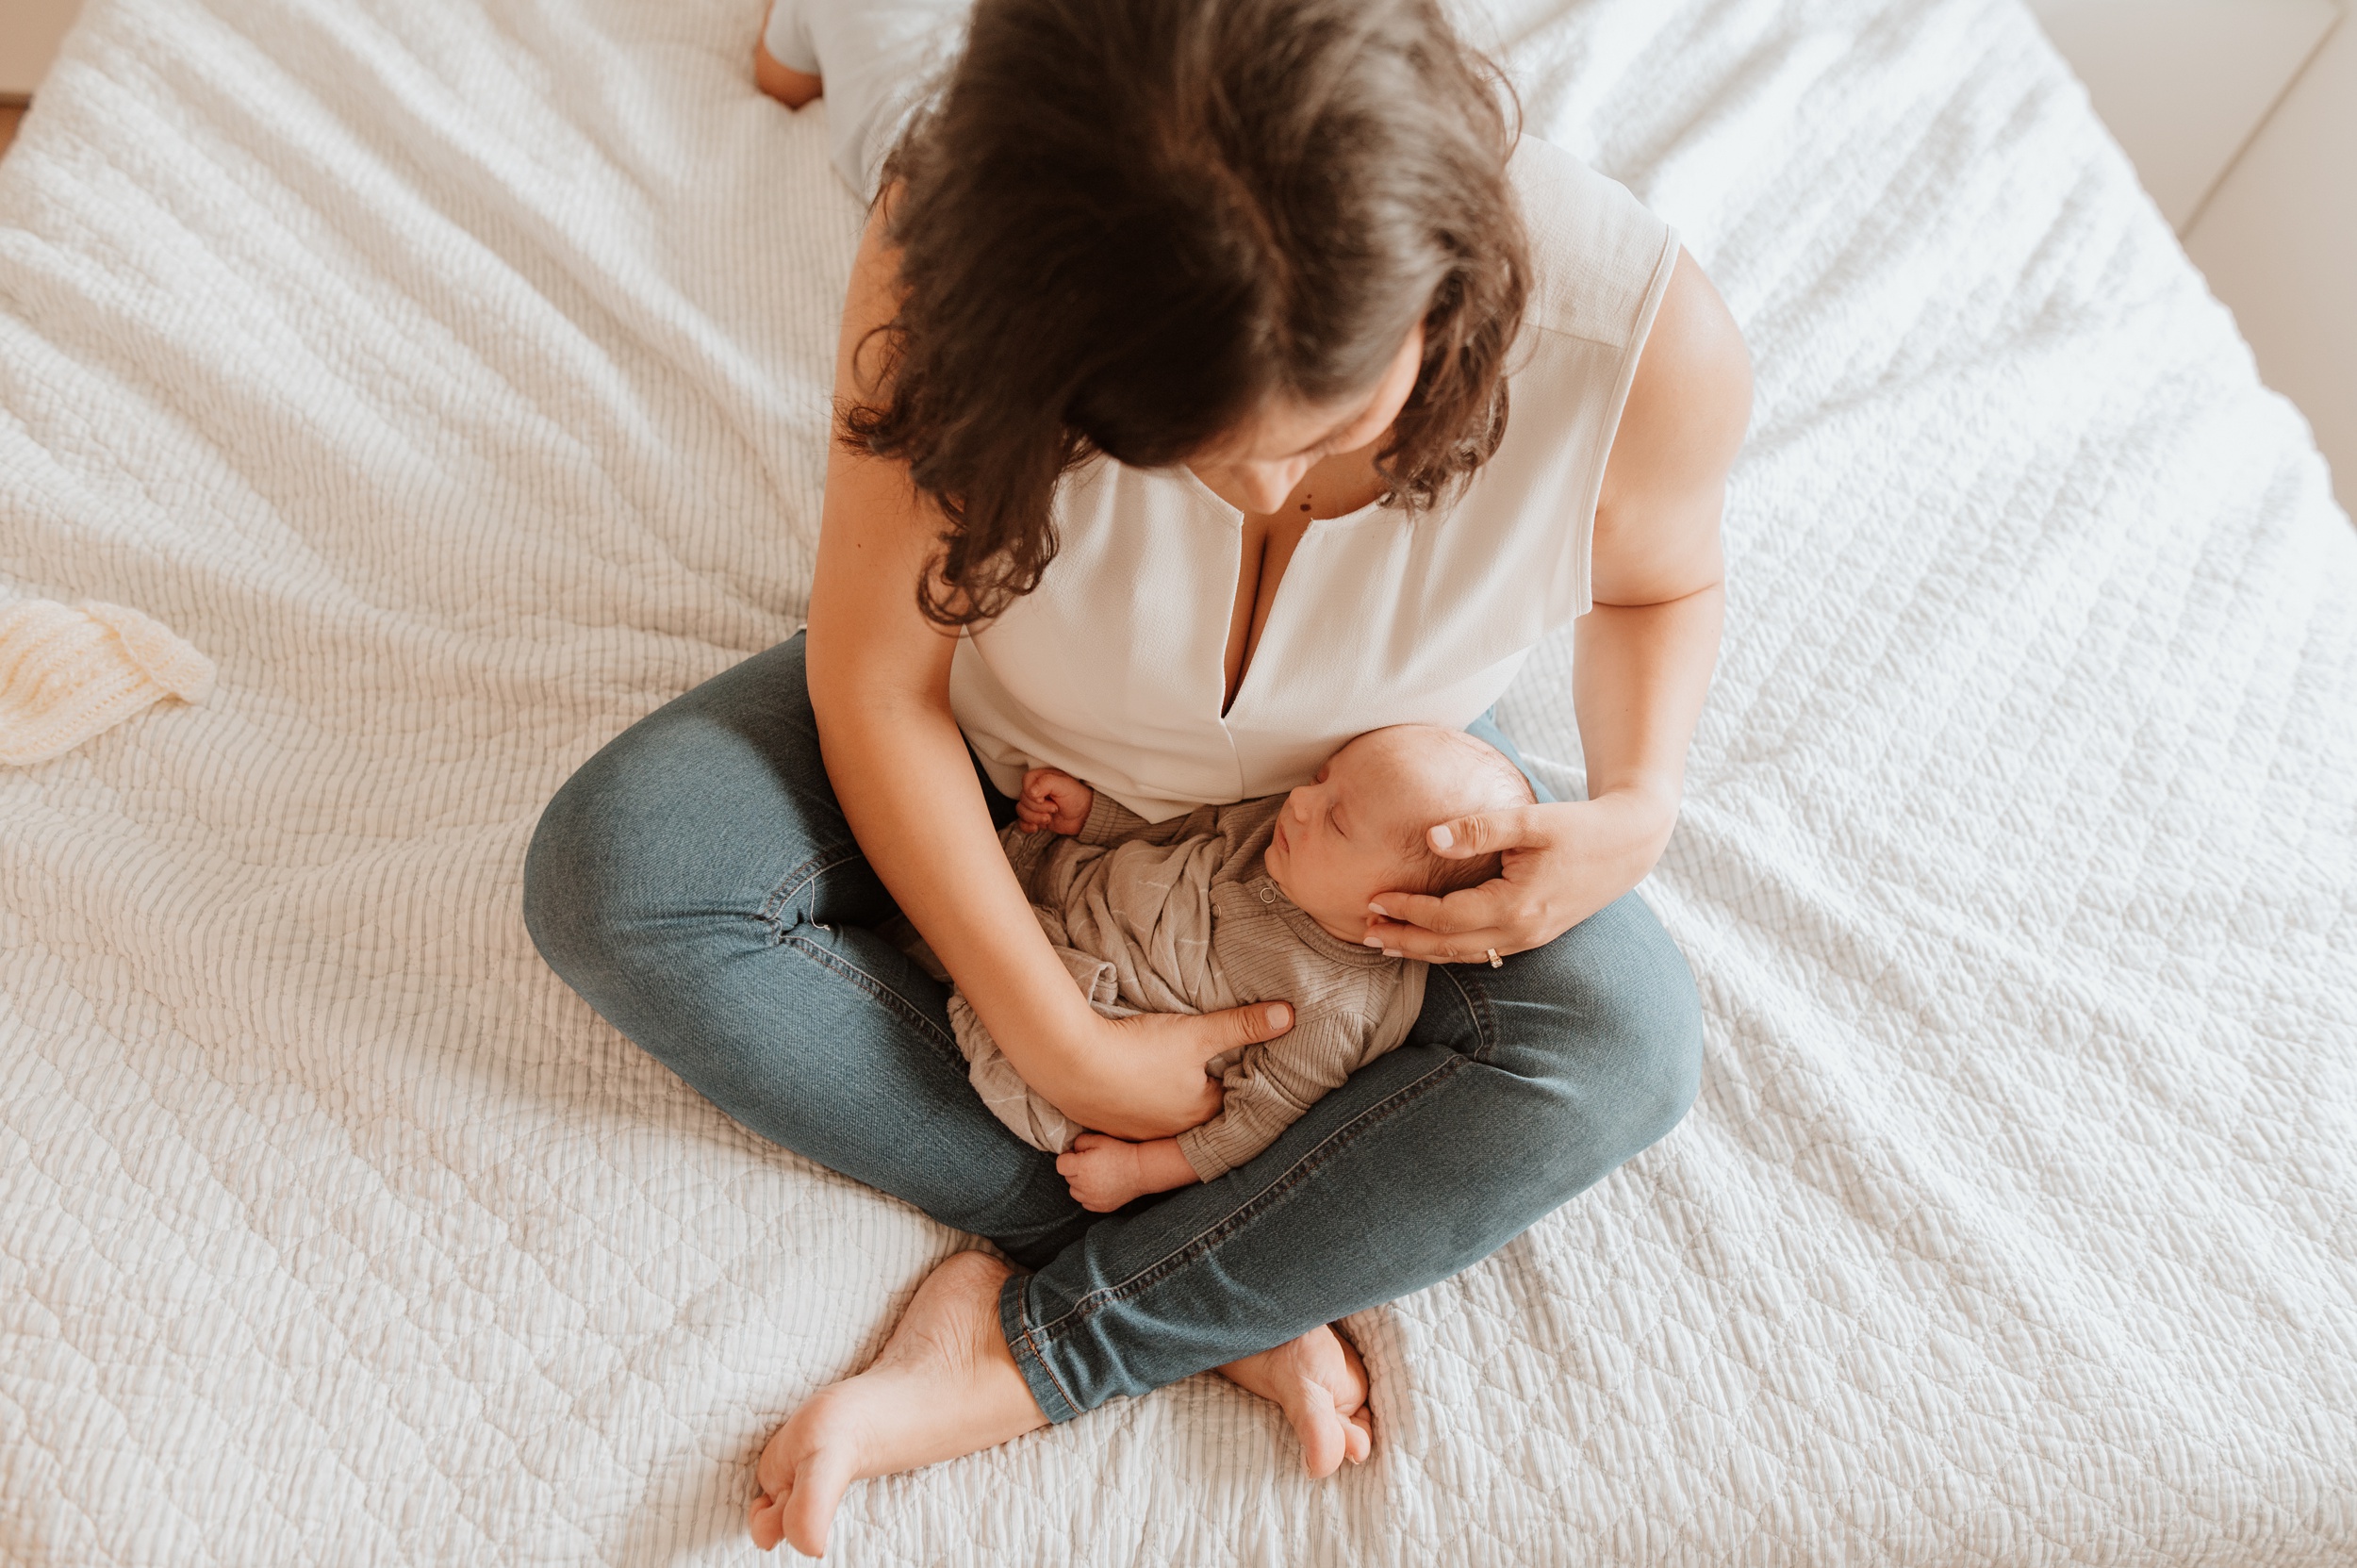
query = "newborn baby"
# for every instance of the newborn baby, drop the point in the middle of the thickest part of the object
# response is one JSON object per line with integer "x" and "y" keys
{"x": 1262, "y": 900}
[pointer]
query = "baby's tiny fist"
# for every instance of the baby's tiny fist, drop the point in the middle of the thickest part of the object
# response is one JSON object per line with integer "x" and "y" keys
{"x": 1053, "y": 799}
{"x": 1098, "y": 1171}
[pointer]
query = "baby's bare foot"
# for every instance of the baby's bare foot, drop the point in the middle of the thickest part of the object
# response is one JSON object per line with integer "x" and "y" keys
{"x": 1321, "y": 1384}
{"x": 944, "y": 1385}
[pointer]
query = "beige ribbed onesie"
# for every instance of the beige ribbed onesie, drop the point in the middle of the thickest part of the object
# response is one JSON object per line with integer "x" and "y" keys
{"x": 1180, "y": 916}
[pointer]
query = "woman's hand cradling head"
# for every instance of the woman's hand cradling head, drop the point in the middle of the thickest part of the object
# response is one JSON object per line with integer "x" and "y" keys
{"x": 1563, "y": 862}
{"x": 1147, "y": 1078}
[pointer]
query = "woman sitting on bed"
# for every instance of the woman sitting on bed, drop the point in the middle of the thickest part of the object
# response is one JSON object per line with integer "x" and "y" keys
{"x": 1219, "y": 379}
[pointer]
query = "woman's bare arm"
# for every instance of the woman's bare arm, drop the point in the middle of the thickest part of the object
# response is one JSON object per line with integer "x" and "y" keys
{"x": 1643, "y": 657}
{"x": 880, "y": 687}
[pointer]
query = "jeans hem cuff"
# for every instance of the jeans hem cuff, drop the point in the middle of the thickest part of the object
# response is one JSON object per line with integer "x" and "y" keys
{"x": 1015, "y": 1322}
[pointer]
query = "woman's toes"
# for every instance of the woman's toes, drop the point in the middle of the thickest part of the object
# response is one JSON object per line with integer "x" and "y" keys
{"x": 944, "y": 1385}
{"x": 766, "y": 1521}
{"x": 1329, "y": 1404}
{"x": 1357, "y": 1436}
{"x": 1320, "y": 1428}
{"x": 1320, "y": 1383}
{"x": 808, "y": 1511}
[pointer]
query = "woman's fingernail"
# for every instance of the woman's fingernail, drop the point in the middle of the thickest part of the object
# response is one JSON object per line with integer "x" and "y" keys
{"x": 1278, "y": 1018}
{"x": 1393, "y": 952}
{"x": 1374, "y": 941}
{"x": 1378, "y": 911}
{"x": 1442, "y": 837}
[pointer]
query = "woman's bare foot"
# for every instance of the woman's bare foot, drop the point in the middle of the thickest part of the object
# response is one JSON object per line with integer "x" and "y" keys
{"x": 945, "y": 1384}
{"x": 1321, "y": 1384}
{"x": 788, "y": 86}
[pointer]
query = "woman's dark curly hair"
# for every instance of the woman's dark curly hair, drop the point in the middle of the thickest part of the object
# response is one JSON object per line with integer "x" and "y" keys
{"x": 1125, "y": 225}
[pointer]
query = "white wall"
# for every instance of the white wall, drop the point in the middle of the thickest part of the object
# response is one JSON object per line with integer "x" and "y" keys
{"x": 2244, "y": 132}
{"x": 2279, "y": 244}
{"x": 2184, "y": 84}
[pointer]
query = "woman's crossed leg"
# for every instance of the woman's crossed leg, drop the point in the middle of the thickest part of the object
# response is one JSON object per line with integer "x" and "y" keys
{"x": 697, "y": 884}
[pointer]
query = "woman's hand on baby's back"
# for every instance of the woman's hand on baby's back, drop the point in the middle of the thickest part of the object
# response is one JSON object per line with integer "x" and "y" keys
{"x": 1563, "y": 861}
{"x": 1147, "y": 1078}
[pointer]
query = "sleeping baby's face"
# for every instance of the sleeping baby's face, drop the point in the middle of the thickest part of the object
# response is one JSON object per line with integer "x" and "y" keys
{"x": 1358, "y": 830}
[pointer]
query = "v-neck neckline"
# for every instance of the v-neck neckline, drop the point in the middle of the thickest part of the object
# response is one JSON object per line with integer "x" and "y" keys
{"x": 1204, "y": 492}
{"x": 1253, "y": 649}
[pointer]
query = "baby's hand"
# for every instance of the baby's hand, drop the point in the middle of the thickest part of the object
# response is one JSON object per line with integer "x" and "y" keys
{"x": 1053, "y": 801}
{"x": 1105, "y": 1172}
{"x": 1102, "y": 1172}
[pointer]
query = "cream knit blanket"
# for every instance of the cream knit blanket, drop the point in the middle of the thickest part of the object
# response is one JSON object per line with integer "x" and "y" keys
{"x": 67, "y": 674}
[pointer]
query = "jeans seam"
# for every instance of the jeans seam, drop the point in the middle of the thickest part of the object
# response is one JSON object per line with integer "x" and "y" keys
{"x": 1022, "y": 1314}
{"x": 802, "y": 876}
{"x": 1205, "y": 1240}
{"x": 1484, "y": 1017}
{"x": 875, "y": 986}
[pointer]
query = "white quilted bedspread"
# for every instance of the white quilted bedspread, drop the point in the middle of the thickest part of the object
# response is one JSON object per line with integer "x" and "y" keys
{"x": 454, "y": 372}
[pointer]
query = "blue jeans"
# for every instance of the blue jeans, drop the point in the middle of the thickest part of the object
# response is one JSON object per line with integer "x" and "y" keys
{"x": 696, "y": 882}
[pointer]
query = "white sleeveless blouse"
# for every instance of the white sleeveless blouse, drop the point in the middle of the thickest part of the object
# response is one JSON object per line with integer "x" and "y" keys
{"x": 1114, "y": 668}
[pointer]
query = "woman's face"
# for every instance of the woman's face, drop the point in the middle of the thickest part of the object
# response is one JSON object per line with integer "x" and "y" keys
{"x": 1262, "y": 462}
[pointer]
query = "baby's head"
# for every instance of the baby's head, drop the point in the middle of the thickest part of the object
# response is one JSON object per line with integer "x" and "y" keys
{"x": 1360, "y": 829}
